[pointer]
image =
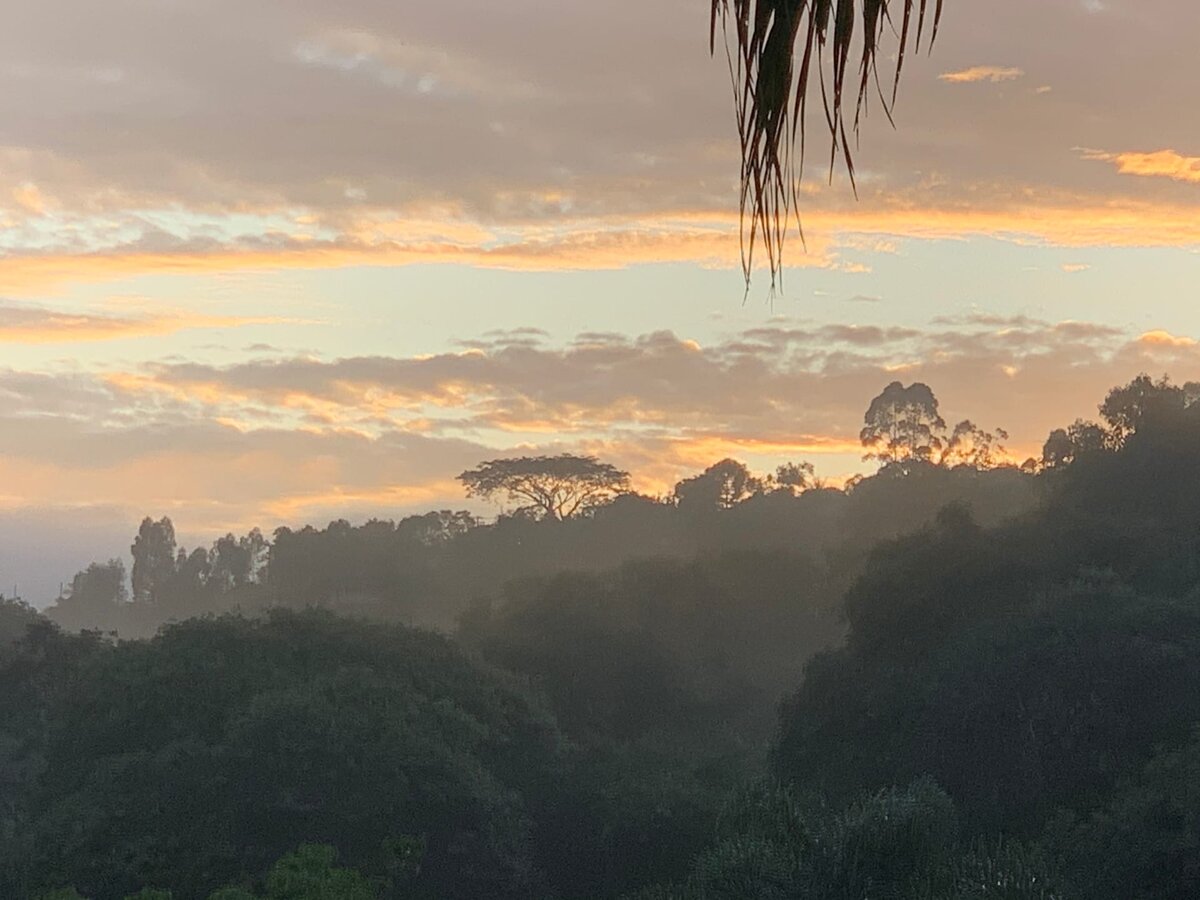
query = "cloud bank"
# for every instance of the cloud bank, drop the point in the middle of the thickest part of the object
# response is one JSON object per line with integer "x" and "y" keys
{"x": 284, "y": 438}
{"x": 504, "y": 136}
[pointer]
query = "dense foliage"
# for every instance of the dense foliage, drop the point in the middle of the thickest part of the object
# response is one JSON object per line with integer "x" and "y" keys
{"x": 990, "y": 680}
{"x": 198, "y": 757}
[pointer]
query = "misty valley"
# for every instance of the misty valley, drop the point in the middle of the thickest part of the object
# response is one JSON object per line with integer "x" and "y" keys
{"x": 558, "y": 450}
{"x": 957, "y": 677}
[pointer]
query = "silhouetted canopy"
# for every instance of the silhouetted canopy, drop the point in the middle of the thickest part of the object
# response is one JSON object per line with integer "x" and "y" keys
{"x": 556, "y": 487}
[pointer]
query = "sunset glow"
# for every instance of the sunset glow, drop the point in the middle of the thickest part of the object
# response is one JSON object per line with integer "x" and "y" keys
{"x": 271, "y": 268}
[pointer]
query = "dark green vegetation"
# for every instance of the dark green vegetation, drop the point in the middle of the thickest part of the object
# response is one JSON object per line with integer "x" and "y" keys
{"x": 989, "y": 675}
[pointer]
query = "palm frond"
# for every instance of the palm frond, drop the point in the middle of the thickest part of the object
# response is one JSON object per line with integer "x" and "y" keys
{"x": 780, "y": 49}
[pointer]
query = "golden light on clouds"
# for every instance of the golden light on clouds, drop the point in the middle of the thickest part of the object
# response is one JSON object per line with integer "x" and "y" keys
{"x": 1159, "y": 164}
{"x": 1161, "y": 338}
{"x": 704, "y": 237}
{"x": 243, "y": 444}
{"x": 301, "y": 506}
{"x": 588, "y": 249}
{"x": 29, "y": 198}
{"x": 32, "y": 325}
{"x": 703, "y": 450}
{"x": 982, "y": 73}
{"x": 394, "y": 141}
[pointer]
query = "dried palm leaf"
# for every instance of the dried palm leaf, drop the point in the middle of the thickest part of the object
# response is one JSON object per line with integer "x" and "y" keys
{"x": 782, "y": 47}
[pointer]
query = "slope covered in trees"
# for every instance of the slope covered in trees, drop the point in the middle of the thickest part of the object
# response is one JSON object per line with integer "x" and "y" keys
{"x": 196, "y": 758}
{"x": 1044, "y": 672}
{"x": 990, "y": 681}
{"x": 562, "y": 514}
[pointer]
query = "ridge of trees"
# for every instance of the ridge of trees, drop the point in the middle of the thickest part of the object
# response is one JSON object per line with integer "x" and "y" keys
{"x": 577, "y": 513}
{"x": 982, "y": 697}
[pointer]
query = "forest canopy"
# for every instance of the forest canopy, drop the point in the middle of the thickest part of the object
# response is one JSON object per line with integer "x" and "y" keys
{"x": 954, "y": 677}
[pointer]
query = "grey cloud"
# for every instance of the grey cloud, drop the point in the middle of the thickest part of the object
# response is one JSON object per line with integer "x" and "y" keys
{"x": 220, "y": 472}
{"x": 768, "y": 380}
{"x": 867, "y": 335}
{"x": 492, "y": 106}
{"x": 28, "y": 323}
{"x": 39, "y": 394}
{"x": 305, "y": 133}
{"x": 601, "y": 339}
{"x": 228, "y": 446}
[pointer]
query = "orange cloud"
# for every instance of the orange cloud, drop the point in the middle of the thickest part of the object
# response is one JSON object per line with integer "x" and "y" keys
{"x": 1128, "y": 224}
{"x": 593, "y": 249}
{"x": 982, "y": 73}
{"x": 258, "y": 484}
{"x": 703, "y": 236}
{"x": 703, "y": 451}
{"x": 34, "y": 325}
{"x": 298, "y": 507}
{"x": 1161, "y": 338}
{"x": 257, "y": 443}
{"x": 29, "y": 198}
{"x": 1160, "y": 163}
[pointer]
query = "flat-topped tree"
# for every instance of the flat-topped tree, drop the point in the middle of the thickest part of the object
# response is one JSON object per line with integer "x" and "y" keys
{"x": 552, "y": 487}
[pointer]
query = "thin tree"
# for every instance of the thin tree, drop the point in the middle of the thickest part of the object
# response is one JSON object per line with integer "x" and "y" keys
{"x": 153, "y": 552}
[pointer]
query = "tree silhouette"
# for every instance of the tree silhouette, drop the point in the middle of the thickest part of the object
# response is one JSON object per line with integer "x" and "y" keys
{"x": 1145, "y": 402}
{"x": 795, "y": 478}
{"x": 969, "y": 445}
{"x": 153, "y": 557}
{"x": 551, "y": 487}
{"x": 721, "y": 486}
{"x": 902, "y": 425}
{"x": 230, "y": 562}
{"x": 1065, "y": 445}
{"x": 95, "y": 595}
{"x": 435, "y": 528}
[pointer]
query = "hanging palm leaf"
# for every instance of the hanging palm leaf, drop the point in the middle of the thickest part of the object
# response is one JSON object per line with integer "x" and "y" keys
{"x": 782, "y": 47}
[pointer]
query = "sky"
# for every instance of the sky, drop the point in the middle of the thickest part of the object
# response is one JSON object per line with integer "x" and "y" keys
{"x": 288, "y": 261}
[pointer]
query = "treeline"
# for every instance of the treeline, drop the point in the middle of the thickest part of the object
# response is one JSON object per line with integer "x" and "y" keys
{"x": 1043, "y": 672}
{"x": 564, "y": 514}
{"x": 990, "y": 674}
